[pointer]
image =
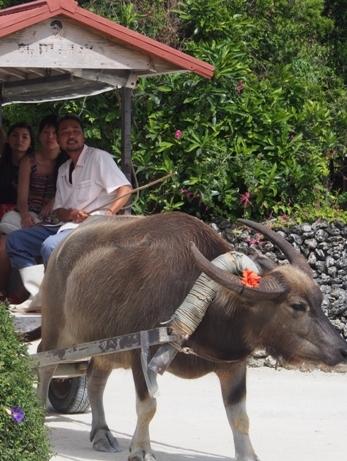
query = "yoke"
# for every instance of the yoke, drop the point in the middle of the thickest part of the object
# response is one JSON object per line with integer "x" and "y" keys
{"x": 73, "y": 361}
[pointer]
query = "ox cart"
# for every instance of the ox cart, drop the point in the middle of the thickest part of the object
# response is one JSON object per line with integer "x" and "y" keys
{"x": 68, "y": 390}
{"x": 56, "y": 50}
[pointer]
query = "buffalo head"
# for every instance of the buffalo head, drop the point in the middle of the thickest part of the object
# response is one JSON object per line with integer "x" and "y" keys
{"x": 283, "y": 314}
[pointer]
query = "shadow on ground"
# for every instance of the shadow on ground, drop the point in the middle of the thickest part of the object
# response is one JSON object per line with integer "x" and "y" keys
{"x": 74, "y": 445}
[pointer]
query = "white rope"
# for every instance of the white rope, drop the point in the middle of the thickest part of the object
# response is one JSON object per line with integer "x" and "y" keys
{"x": 190, "y": 313}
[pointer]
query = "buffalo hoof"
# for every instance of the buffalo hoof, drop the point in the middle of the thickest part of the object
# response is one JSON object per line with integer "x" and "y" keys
{"x": 104, "y": 441}
{"x": 141, "y": 455}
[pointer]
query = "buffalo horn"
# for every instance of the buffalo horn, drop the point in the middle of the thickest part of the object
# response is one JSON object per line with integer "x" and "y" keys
{"x": 269, "y": 287}
{"x": 293, "y": 256}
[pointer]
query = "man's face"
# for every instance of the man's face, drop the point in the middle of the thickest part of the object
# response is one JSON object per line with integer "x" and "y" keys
{"x": 70, "y": 136}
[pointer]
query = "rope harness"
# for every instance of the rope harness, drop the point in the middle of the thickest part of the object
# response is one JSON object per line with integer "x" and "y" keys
{"x": 188, "y": 317}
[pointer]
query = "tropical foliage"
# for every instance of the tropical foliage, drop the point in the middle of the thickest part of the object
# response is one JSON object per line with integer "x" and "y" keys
{"x": 259, "y": 137}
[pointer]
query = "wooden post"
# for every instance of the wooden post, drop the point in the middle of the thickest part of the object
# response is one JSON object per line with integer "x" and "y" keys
{"x": 126, "y": 101}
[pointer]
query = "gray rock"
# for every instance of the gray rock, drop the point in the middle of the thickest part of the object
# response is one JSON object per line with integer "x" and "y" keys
{"x": 321, "y": 235}
{"x": 296, "y": 238}
{"x": 229, "y": 235}
{"x": 338, "y": 324}
{"x": 267, "y": 246}
{"x": 304, "y": 250}
{"x": 306, "y": 228}
{"x": 215, "y": 227}
{"x": 320, "y": 254}
{"x": 311, "y": 243}
{"x": 329, "y": 261}
{"x": 332, "y": 271}
{"x": 271, "y": 255}
{"x": 325, "y": 289}
{"x": 332, "y": 230}
{"x": 320, "y": 266}
{"x": 282, "y": 234}
{"x": 341, "y": 263}
{"x": 259, "y": 354}
{"x": 312, "y": 259}
{"x": 270, "y": 362}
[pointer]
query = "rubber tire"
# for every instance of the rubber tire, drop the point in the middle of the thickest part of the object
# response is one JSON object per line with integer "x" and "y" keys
{"x": 69, "y": 395}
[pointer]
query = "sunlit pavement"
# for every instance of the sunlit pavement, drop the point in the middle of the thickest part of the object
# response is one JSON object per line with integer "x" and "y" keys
{"x": 294, "y": 416}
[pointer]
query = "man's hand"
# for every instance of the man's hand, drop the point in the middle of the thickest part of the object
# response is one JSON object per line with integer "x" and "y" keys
{"x": 71, "y": 215}
{"x": 78, "y": 216}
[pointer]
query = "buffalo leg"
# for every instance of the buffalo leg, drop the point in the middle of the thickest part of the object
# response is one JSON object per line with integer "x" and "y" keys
{"x": 233, "y": 385}
{"x": 100, "y": 434}
{"x": 140, "y": 448}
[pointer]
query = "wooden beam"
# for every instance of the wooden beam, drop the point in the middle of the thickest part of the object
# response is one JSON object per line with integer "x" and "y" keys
{"x": 100, "y": 347}
{"x": 40, "y": 73}
{"x": 37, "y": 81}
{"x": 115, "y": 78}
{"x": 13, "y": 72}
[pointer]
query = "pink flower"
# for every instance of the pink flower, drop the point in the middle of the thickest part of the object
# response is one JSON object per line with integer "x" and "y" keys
{"x": 256, "y": 240}
{"x": 178, "y": 134}
{"x": 245, "y": 199}
{"x": 187, "y": 192}
{"x": 240, "y": 86}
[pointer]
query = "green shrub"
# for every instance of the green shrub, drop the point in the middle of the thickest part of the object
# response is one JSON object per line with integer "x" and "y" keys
{"x": 20, "y": 439}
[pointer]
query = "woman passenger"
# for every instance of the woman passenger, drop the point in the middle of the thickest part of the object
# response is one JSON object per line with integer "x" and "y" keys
{"x": 19, "y": 143}
{"x": 36, "y": 188}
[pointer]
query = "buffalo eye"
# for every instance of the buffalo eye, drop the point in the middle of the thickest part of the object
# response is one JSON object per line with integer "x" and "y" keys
{"x": 299, "y": 307}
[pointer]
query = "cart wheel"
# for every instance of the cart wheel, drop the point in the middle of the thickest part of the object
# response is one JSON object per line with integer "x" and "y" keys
{"x": 69, "y": 395}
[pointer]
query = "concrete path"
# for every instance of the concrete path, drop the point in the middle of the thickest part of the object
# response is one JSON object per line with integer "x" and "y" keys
{"x": 294, "y": 416}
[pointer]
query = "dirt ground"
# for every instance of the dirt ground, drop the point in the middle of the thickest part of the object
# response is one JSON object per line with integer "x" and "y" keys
{"x": 294, "y": 416}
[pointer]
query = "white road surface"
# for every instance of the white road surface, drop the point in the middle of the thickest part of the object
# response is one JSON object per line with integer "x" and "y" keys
{"x": 294, "y": 416}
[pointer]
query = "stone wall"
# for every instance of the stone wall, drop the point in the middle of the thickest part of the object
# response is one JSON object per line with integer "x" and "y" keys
{"x": 325, "y": 247}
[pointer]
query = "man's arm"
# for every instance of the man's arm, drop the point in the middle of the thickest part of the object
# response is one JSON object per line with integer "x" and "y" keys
{"x": 70, "y": 215}
{"x": 73, "y": 215}
{"x": 122, "y": 198}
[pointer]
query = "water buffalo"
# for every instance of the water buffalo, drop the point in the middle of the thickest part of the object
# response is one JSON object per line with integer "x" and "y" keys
{"x": 116, "y": 276}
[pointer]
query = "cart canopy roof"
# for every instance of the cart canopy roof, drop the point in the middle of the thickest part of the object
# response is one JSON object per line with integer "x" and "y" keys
{"x": 54, "y": 49}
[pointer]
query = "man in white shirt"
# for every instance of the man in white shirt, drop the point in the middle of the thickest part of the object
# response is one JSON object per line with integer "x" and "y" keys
{"x": 88, "y": 183}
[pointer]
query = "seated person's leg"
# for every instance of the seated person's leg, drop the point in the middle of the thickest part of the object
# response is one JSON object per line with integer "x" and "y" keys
{"x": 51, "y": 243}
{"x": 24, "y": 245}
{"x": 4, "y": 265}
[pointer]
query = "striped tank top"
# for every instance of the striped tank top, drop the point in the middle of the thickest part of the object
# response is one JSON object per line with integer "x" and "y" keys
{"x": 41, "y": 189}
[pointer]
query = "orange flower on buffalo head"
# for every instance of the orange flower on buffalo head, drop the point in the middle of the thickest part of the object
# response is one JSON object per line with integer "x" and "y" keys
{"x": 250, "y": 278}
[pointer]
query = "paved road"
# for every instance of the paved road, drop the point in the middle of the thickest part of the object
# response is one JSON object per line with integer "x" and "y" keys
{"x": 294, "y": 417}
